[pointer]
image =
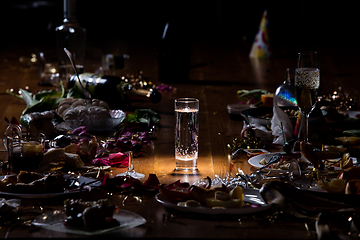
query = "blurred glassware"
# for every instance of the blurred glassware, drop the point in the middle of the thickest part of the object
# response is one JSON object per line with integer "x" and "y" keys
{"x": 130, "y": 172}
{"x": 71, "y": 36}
{"x": 48, "y": 75}
{"x": 48, "y": 72}
{"x": 28, "y": 62}
{"x": 25, "y": 152}
{"x": 112, "y": 64}
{"x": 285, "y": 93}
{"x": 12, "y": 130}
{"x": 174, "y": 52}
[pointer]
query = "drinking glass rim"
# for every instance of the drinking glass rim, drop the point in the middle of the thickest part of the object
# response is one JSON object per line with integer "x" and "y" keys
{"x": 309, "y": 54}
{"x": 307, "y": 51}
{"x": 186, "y": 100}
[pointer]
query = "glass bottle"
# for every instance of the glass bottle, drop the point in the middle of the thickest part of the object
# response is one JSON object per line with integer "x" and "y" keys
{"x": 116, "y": 91}
{"x": 285, "y": 93}
{"x": 318, "y": 130}
{"x": 72, "y": 36}
{"x": 174, "y": 53}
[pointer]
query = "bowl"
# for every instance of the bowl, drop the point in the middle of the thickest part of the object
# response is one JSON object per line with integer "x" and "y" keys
{"x": 235, "y": 110}
{"x": 96, "y": 125}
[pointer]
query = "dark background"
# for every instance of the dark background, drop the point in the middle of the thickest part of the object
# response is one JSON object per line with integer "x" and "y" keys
{"x": 292, "y": 24}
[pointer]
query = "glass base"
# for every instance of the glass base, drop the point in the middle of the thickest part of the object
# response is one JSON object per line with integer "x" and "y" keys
{"x": 185, "y": 169}
{"x": 132, "y": 174}
{"x": 187, "y": 164}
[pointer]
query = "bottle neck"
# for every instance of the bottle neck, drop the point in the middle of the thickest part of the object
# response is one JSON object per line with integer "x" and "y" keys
{"x": 138, "y": 94}
{"x": 288, "y": 79}
{"x": 70, "y": 11}
{"x": 144, "y": 95}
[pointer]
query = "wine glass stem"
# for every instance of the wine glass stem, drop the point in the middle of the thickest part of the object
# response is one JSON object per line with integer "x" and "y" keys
{"x": 131, "y": 166}
{"x": 306, "y": 127}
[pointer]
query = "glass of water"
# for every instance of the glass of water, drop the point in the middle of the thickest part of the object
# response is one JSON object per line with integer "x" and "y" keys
{"x": 186, "y": 134}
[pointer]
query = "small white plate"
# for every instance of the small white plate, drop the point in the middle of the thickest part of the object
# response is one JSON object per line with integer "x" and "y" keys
{"x": 255, "y": 161}
{"x": 55, "y": 221}
{"x": 250, "y": 195}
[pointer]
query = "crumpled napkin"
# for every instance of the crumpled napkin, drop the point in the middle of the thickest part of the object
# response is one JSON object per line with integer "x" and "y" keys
{"x": 260, "y": 131}
{"x": 281, "y": 118}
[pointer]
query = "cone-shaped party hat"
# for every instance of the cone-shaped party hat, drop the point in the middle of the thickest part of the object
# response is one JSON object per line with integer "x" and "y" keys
{"x": 261, "y": 47}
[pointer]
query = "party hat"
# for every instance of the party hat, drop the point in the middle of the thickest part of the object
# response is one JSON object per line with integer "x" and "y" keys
{"x": 261, "y": 47}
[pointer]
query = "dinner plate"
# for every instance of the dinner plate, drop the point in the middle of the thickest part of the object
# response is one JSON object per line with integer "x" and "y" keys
{"x": 353, "y": 114}
{"x": 255, "y": 161}
{"x": 55, "y": 221}
{"x": 250, "y": 195}
{"x": 263, "y": 115}
{"x": 80, "y": 180}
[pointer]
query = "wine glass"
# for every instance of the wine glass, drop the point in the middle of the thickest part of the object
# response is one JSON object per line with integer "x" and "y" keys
{"x": 307, "y": 83}
{"x": 130, "y": 171}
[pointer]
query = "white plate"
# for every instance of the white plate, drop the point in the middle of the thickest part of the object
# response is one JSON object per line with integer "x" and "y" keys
{"x": 352, "y": 114}
{"x": 255, "y": 161}
{"x": 251, "y": 195}
{"x": 50, "y": 195}
{"x": 55, "y": 221}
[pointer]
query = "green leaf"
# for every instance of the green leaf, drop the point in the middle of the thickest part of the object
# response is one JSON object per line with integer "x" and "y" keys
{"x": 130, "y": 118}
{"x": 28, "y": 97}
{"x": 147, "y": 116}
{"x": 14, "y": 94}
{"x": 42, "y": 101}
{"x": 48, "y": 93}
{"x": 45, "y": 104}
{"x": 75, "y": 92}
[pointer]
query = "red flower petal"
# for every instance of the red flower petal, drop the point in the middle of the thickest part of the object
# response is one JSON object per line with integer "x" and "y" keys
{"x": 152, "y": 181}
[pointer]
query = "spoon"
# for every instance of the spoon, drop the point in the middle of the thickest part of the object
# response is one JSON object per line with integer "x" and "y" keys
{"x": 72, "y": 61}
{"x": 274, "y": 159}
{"x": 256, "y": 177}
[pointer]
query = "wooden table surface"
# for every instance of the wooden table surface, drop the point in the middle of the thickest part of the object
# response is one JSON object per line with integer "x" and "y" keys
{"x": 215, "y": 86}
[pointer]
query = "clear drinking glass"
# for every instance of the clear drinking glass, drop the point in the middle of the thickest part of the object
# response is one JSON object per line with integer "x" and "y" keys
{"x": 131, "y": 171}
{"x": 186, "y": 134}
{"x": 25, "y": 152}
{"x": 307, "y": 83}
